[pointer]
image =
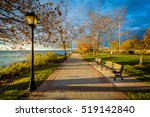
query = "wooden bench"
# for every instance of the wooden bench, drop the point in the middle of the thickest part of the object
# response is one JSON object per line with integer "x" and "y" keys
{"x": 115, "y": 68}
{"x": 98, "y": 61}
{"x": 108, "y": 65}
{"x": 118, "y": 69}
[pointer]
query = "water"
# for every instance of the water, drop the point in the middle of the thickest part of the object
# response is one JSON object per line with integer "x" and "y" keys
{"x": 10, "y": 57}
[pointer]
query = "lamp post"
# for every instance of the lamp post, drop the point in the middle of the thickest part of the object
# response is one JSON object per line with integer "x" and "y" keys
{"x": 32, "y": 21}
{"x": 64, "y": 44}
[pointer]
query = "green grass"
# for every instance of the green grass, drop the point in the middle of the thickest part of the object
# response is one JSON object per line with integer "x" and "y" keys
{"x": 131, "y": 67}
{"x": 131, "y": 63}
{"x": 15, "y": 85}
{"x": 145, "y": 95}
{"x": 18, "y": 88}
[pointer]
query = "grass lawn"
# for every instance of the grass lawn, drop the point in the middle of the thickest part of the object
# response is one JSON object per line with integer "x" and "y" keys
{"x": 15, "y": 84}
{"x": 18, "y": 88}
{"x": 131, "y": 67}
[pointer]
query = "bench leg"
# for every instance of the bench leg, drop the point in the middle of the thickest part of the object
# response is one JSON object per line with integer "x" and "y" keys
{"x": 121, "y": 77}
{"x": 115, "y": 77}
{"x": 101, "y": 67}
{"x": 118, "y": 75}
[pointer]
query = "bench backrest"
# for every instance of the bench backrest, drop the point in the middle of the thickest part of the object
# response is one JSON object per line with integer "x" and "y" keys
{"x": 109, "y": 64}
{"x": 118, "y": 67}
{"x": 98, "y": 60}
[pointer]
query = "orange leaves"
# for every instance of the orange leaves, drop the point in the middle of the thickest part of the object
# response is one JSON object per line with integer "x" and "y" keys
{"x": 50, "y": 34}
{"x": 81, "y": 30}
{"x": 147, "y": 38}
{"x": 147, "y": 35}
{"x": 47, "y": 14}
{"x": 127, "y": 45}
{"x": 16, "y": 30}
{"x": 59, "y": 13}
{"x": 84, "y": 44}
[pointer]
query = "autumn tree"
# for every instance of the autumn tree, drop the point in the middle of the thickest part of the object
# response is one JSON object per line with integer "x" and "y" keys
{"x": 141, "y": 40}
{"x": 14, "y": 30}
{"x": 90, "y": 24}
{"x": 84, "y": 44}
{"x": 128, "y": 44}
{"x": 66, "y": 33}
{"x": 97, "y": 23}
{"x": 104, "y": 27}
{"x": 112, "y": 31}
{"x": 114, "y": 45}
{"x": 12, "y": 23}
{"x": 147, "y": 38}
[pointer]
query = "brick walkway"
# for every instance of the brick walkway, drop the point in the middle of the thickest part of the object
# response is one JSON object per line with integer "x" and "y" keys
{"x": 77, "y": 79}
{"x": 129, "y": 83}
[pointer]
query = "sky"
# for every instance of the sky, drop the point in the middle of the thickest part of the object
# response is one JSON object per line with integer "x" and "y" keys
{"x": 137, "y": 14}
{"x": 137, "y": 11}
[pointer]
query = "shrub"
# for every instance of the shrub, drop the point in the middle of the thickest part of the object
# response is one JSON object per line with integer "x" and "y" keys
{"x": 19, "y": 68}
{"x": 131, "y": 52}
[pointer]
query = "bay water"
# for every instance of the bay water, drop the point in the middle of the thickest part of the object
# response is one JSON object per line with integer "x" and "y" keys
{"x": 10, "y": 57}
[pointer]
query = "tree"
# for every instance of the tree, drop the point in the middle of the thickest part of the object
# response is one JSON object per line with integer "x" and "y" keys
{"x": 114, "y": 45}
{"x": 147, "y": 38}
{"x": 104, "y": 25}
{"x": 14, "y": 30}
{"x": 84, "y": 44}
{"x": 141, "y": 42}
{"x": 66, "y": 33}
{"x": 113, "y": 28}
{"x": 97, "y": 24}
{"x": 127, "y": 44}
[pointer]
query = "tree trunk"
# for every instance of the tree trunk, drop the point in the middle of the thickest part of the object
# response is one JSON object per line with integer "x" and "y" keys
{"x": 93, "y": 49}
{"x": 97, "y": 49}
{"x": 65, "y": 54}
{"x": 109, "y": 46}
{"x": 141, "y": 58}
{"x": 110, "y": 52}
{"x": 97, "y": 44}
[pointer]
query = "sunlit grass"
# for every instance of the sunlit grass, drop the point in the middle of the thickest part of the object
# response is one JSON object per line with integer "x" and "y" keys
{"x": 145, "y": 95}
{"x": 131, "y": 67}
{"x": 15, "y": 86}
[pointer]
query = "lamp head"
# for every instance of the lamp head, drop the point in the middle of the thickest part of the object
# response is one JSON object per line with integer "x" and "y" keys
{"x": 32, "y": 19}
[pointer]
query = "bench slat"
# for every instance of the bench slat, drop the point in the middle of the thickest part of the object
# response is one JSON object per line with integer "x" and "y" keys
{"x": 113, "y": 67}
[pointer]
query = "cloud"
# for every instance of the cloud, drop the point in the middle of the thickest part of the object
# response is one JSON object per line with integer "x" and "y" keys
{"x": 138, "y": 11}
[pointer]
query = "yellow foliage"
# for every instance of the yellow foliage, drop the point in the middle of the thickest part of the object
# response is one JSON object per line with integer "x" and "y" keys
{"x": 128, "y": 44}
{"x": 84, "y": 44}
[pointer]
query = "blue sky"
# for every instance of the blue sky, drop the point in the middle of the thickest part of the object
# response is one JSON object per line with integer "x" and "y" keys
{"x": 138, "y": 11}
{"x": 137, "y": 17}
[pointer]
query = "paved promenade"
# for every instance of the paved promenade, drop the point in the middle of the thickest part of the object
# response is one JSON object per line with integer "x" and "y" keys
{"x": 77, "y": 79}
{"x": 129, "y": 83}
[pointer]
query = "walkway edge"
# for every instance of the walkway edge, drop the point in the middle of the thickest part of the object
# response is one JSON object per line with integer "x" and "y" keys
{"x": 35, "y": 95}
{"x": 136, "y": 86}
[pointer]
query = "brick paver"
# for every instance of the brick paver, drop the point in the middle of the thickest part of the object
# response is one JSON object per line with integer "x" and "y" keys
{"x": 77, "y": 79}
{"x": 129, "y": 83}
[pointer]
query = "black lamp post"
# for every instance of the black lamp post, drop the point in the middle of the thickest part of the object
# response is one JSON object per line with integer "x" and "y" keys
{"x": 32, "y": 21}
{"x": 64, "y": 43}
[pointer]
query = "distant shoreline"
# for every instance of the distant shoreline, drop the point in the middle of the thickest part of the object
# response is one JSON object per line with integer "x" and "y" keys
{"x": 39, "y": 50}
{"x": 8, "y": 57}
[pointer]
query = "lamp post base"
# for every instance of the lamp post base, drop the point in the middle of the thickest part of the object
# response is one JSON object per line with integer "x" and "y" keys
{"x": 32, "y": 88}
